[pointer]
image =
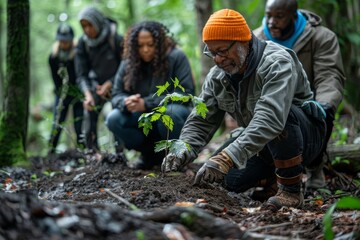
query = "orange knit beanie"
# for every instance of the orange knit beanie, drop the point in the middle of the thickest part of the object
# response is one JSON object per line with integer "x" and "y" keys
{"x": 226, "y": 24}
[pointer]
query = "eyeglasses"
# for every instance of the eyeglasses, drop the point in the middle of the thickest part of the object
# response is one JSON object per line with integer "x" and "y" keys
{"x": 221, "y": 53}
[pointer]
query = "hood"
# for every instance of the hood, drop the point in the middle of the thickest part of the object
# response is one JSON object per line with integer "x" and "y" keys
{"x": 312, "y": 18}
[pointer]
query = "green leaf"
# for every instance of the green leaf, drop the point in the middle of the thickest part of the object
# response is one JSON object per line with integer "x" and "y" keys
{"x": 343, "y": 203}
{"x": 165, "y": 101}
{"x": 155, "y": 117}
{"x": 325, "y": 191}
{"x": 349, "y": 203}
{"x": 176, "y": 83}
{"x": 168, "y": 122}
{"x": 160, "y": 109}
{"x": 151, "y": 175}
{"x": 178, "y": 147}
{"x": 201, "y": 109}
{"x": 162, "y": 88}
{"x": 177, "y": 97}
{"x": 163, "y": 145}
{"x": 328, "y": 233}
{"x": 145, "y": 122}
{"x": 175, "y": 146}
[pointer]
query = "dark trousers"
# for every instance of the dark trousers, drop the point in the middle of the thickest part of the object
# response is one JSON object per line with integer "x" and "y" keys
{"x": 303, "y": 135}
{"x": 124, "y": 126}
{"x": 90, "y": 124}
{"x": 78, "y": 111}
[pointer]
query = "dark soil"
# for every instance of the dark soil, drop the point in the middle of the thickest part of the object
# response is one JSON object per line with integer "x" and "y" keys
{"x": 74, "y": 196}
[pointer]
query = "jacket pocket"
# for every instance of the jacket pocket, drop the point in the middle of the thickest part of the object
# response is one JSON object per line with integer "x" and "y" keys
{"x": 227, "y": 105}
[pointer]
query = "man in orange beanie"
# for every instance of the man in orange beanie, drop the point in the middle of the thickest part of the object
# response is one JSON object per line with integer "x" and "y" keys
{"x": 264, "y": 87}
{"x": 318, "y": 50}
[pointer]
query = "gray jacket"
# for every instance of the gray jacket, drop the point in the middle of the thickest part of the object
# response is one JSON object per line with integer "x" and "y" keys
{"x": 318, "y": 50}
{"x": 273, "y": 82}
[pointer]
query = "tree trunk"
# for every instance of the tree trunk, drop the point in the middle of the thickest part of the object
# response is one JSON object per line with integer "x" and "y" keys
{"x": 2, "y": 5}
{"x": 345, "y": 157}
{"x": 204, "y": 9}
{"x": 13, "y": 119}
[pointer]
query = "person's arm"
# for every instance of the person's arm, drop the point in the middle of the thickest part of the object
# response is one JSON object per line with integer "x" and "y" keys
{"x": 198, "y": 131}
{"x": 118, "y": 92}
{"x": 53, "y": 63}
{"x": 280, "y": 77}
{"x": 82, "y": 67}
{"x": 328, "y": 70}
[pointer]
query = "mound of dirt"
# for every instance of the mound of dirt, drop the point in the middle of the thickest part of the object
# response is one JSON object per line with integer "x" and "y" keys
{"x": 74, "y": 196}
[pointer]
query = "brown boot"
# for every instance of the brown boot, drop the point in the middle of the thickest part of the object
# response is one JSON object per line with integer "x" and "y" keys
{"x": 285, "y": 199}
{"x": 269, "y": 189}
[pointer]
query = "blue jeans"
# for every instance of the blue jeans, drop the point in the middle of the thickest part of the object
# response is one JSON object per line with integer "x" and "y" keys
{"x": 303, "y": 135}
{"x": 124, "y": 126}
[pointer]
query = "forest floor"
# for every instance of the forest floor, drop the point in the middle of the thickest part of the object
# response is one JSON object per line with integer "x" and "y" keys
{"x": 74, "y": 196}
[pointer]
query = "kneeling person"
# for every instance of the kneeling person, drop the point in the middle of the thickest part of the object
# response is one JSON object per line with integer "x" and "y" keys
{"x": 264, "y": 87}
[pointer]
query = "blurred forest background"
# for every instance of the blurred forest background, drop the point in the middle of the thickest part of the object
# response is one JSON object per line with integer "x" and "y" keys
{"x": 184, "y": 18}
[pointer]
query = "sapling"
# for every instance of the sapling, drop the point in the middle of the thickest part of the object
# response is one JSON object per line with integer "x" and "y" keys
{"x": 146, "y": 120}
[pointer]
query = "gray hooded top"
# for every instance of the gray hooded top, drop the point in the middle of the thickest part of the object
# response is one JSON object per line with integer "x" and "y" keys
{"x": 97, "y": 60}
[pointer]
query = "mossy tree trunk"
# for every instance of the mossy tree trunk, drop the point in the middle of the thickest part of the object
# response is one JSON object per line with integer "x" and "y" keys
{"x": 13, "y": 118}
{"x": 2, "y": 6}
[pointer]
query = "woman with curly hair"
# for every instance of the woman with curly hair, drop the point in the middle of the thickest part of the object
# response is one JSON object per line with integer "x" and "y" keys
{"x": 150, "y": 59}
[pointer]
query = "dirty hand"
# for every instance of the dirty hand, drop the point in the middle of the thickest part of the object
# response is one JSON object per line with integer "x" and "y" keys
{"x": 313, "y": 108}
{"x": 214, "y": 169}
{"x": 175, "y": 162}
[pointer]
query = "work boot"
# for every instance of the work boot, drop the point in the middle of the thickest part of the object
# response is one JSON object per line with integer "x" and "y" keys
{"x": 269, "y": 189}
{"x": 316, "y": 177}
{"x": 285, "y": 199}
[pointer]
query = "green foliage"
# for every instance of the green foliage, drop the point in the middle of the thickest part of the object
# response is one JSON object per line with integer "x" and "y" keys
{"x": 147, "y": 119}
{"x": 339, "y": 160}
{"x": 343, "y": 203}
{"x": 175, "y": 146}
{"x": 159, "y": 114}
{"x": 140, "y": 235}
{"x": 187, "y": 218}
{"x": 339, "y": 133}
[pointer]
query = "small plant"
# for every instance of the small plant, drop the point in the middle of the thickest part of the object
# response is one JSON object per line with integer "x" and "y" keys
{"x": 339, "y": 160}
{"x": 146, "y": 120}
{"x": 343, "y": 203}
{"x": 339, "y": 133}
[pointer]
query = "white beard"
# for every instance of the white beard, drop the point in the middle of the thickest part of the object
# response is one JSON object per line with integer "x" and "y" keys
{"x": 242, "y": 52}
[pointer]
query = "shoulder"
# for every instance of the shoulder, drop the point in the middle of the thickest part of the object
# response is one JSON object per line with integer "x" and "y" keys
{"x": 176, "y": 53}
{"x": 275, "y": 50}
{"x": 259, "y": 32}
{"x": 277, "y": 56}
{"x": 55, "y": 49}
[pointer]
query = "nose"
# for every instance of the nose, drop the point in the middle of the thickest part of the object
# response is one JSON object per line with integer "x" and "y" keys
{"x": 271, "y": 21}
{"x": 144, "y": 49}
{"x": 218, "y": 59}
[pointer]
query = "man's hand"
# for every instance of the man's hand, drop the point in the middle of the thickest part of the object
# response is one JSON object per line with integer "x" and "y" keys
{"x": 173, "y": 162}
{"x": 214, "y": 169}
{"x": 313, "y": 108}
